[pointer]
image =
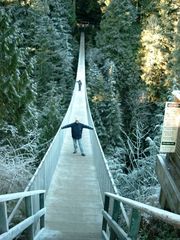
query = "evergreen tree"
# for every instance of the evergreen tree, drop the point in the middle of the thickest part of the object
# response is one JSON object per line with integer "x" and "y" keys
{"x": 16, "y": 91}
{"x": 54, "y": 70}
{"x": 158, "y": 42}
{"x": 19, "y": 136}
{"x": 118, "y": 40}
{"x": 103, "y": 100}
{"x": 176, "y": 60}
{"x": 36, "y": 72}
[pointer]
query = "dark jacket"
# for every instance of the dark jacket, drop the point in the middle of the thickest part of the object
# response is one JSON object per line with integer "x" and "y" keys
{"x": 76, "y": 129}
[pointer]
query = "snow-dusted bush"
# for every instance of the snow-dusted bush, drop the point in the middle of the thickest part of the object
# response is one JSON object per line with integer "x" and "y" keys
{"x": 15, "y": 170}
{"x": 17, "y": 159}
{"x": 136, "y": 178}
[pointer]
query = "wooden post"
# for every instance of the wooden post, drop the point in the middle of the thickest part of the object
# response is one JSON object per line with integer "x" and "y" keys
{"x": 115, "y": 215}
{"x": 3, "y": 217}
{"x": 134, "y": 224}
{"x": 106, "y": 208}
{"x": 41, "y": 205}
{"x": 29, "y": 212}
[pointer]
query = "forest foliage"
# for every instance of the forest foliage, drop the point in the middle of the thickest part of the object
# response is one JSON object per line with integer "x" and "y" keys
{"x": 133, "y": 63}
{"x": 133, "y": 59}
{"x": 36, "y": 45}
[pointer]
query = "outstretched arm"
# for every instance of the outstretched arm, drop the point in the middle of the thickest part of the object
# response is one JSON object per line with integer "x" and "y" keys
{"x": 67, "y": 126}
{"x": 86, "y": 126}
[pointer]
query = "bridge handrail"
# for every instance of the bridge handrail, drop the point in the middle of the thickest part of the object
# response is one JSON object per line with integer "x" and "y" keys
{"x": 13, "y": 196}
{"x": 106, "y": 181}
{"x": 49, "y": 161}
{"x": 112, "y": 211}
{"x": 32, "y": 218}
{"x": 43, "y": 174}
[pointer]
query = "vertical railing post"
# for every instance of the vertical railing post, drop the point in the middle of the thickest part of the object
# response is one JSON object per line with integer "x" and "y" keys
{"x": 134, "y": 224}
{"x": 29, "y": 212}
{"x": 41, "y": 205}
{"x": 115, "y": 215}
{"x": 106, "y": 208}
{"x": 4, "y": 219}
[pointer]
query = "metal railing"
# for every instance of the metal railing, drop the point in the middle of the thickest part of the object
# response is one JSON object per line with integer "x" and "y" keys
{"x": 33, "y": 219}
{"x": 43, "y": 175}
{"x": 114, "y": 211}
{"x": 105, "y": 179}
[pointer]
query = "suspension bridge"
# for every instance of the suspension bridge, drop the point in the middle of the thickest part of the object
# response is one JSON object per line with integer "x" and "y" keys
{"x": 72, "y": 196}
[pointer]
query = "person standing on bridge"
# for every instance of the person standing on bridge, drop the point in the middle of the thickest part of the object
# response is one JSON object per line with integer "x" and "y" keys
{"x": 79, "y": 84}
{"x": 76, "y": 132}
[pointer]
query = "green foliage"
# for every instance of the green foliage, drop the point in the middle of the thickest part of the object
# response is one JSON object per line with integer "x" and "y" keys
{"x": 155, "y": 229}
{"x": 114, "y": 76}
{"x": 134, "y": 169}
{"x": 118, "y": 39}
{"x": 36, "y": 71}
{"x": 116, "y": 60}
{"x": 124, "y": 26}
{"x": 176, "y": 60}
{"x": 54, "y": 70}
{"x": 103, "y": 100}
{"x": 15, "y": 86}
{"x": 158, "y": 43}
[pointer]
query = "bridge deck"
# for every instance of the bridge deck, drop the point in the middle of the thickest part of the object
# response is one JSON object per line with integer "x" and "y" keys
{"x": 74, "y": 204}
